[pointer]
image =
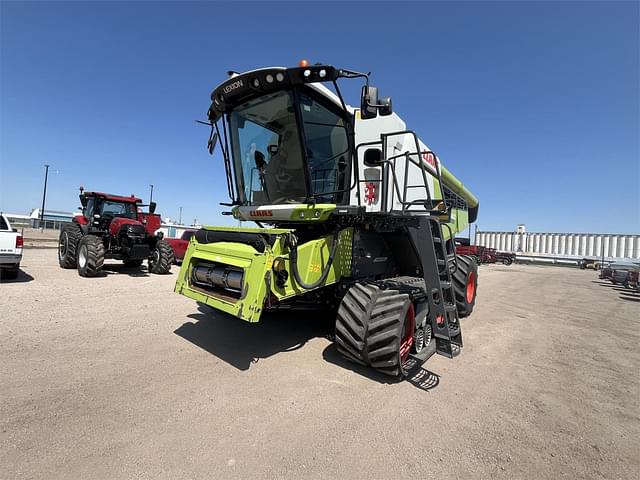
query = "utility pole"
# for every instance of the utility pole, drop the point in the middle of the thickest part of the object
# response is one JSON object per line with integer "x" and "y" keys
{"x": 151, "y": 196}
{"x": 44, "y": 196}
{"x": 180, "y": 221}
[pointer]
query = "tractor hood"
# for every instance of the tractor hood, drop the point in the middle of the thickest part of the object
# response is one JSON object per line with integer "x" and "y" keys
{"x": 118, "y": 222}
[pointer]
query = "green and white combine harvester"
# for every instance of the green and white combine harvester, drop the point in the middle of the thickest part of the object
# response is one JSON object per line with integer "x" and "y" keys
{"x": 355, "y": 214}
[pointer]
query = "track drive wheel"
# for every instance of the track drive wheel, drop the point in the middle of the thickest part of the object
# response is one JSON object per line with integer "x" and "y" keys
{"x": 70, "y": 236}
{"x": 90, "y": 256}
{"x": 161, "y": 258}
{"x": 376, "y": 328}
{"x": 465, "y": 285}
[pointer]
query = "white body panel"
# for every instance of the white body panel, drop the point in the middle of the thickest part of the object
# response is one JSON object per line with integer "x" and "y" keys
{"x": 9, "y": 254}
{"x": 369, "y": 130}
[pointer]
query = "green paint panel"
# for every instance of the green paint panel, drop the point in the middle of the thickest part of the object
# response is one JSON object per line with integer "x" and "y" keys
{"x": 259, "y": 278}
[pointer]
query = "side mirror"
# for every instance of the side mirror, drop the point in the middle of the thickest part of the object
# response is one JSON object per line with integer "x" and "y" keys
{"x": 80, "y": 208}
{"x": 368, "y": 102}
{"x": 385, "y": 106}
{"x": 152, "y": 207}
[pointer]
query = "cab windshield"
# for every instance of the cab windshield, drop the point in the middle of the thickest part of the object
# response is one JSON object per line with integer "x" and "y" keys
{"x": 111, "y": 208}
{"x": 272, "y": 166}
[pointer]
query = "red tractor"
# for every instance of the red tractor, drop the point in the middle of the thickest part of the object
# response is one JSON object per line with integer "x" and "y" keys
{"x": 112, "y": 226}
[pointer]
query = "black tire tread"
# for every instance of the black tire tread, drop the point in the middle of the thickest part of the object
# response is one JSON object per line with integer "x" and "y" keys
{"x": 75, "y": 235}
{"x": 95, "y": 256}
{"x": 369, "y": 326}
{"x": 166, "y": 259}
{"x": 466, "y": 264}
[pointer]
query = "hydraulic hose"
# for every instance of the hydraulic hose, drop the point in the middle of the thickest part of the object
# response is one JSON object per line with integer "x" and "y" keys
{"x": 293, "y": 257}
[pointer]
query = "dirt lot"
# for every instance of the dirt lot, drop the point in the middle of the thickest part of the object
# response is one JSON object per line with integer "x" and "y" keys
{"x": 117, "y": 377}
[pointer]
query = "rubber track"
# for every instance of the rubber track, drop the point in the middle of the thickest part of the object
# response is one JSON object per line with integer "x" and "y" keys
{"x": 369, "y": 326}
{"x": 74, "y": 235}
{"x": 465, "y": 265}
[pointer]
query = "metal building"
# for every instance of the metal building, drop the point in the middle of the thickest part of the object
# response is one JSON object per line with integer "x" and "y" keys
{"x": 583, "y": 245}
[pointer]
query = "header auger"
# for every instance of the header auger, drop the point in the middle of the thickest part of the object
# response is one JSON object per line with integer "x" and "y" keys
{"x": 363, "y": 214}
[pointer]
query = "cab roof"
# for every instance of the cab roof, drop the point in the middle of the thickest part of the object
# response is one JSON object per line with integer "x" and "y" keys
{"x": 115, "y": 198}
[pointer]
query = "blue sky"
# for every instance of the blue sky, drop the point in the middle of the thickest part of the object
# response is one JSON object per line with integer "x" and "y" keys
{"x": 534, "y": 105}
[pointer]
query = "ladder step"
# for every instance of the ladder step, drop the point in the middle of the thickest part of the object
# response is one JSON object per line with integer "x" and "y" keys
{"x": 445, "y": 284}
{"x": 449, "y": 307}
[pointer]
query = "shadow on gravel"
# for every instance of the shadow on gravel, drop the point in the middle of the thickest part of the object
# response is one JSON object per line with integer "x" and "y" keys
{"x": 115, "y": 269}
{"x": 630, "y": 297}
{"x": 22, "y": 277}
{"x": 242, "y": 344}
{"x": 418, "y": 377}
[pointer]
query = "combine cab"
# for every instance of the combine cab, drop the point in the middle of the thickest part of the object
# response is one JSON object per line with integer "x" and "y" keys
{"x": 361, "y": 214}
{"x": 113, "y": 226}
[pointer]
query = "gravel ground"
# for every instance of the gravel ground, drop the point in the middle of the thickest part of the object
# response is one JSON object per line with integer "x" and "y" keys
{"x": 119, "y": 378}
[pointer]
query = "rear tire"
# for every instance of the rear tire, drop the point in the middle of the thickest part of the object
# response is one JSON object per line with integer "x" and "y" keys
{"x": 70, "y": 236}
{"x": 376, "y": 328}
{"x": 465, "y": 285}
{"x": 161, "y": 258}
{"x": 90, "y": 256}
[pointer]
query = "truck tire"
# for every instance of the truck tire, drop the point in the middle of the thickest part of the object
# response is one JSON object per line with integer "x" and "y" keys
{"x": 465, "y": 285}
{"x": 70, "y": 236}
{"x": 375, "y": 328}
{"x": 161, "y": 258}
{"x": 90, "y": 256}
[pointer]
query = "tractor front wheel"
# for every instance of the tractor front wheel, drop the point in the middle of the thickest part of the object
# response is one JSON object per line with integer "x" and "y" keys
{"x": 465, "y": 285}
{"x": 68, "y": 245}
{"x": 90, "y": 256}
{"x": 161, "y": 258}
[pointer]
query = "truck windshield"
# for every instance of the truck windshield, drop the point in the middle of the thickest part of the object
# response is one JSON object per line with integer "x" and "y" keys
{"x": 268, "y": 157}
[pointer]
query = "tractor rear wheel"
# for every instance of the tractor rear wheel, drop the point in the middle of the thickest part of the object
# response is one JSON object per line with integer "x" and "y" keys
{"x": 161, "y": 258}
{"x": 70, "y": 236}
{"x": 90, "y": 256}
{"x": 376, "y": 328}
{"x": 465, "y": 285}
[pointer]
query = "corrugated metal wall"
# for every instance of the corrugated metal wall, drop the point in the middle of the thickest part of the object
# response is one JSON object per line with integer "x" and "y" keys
{"x": 574, "y": 244}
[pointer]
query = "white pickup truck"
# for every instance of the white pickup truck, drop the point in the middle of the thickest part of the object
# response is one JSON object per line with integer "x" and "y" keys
{"x": 11, "y": 243}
